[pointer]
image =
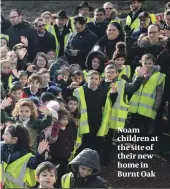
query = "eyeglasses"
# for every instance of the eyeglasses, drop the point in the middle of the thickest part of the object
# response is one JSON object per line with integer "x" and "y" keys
{"x": 40, "y": 26}
{"x": 108, "y": 8}
{"x": 13, "y": 17}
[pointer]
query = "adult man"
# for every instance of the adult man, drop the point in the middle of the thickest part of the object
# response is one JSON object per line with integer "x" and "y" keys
{"x": 132, "y": 19}
{"x": 111, "y": 13}
{"x": 145, "y": 21}
{"x": 5, "y": 24}
{"x": 22, "y": 32}
{"x": 83, "y": 10}
{"x": 98, "y": 26}
{"x": 46, "y": 40}
{"x": 80, "y": 43}
{"x": 60, "y": 32}
{"x": 166, "y": 24}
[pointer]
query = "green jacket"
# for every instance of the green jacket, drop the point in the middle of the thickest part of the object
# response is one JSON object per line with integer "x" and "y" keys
{"x": 34, "y": 126}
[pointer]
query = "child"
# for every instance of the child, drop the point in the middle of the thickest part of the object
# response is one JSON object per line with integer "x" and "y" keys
{"x": 3, "y": 52}
{"x": 46, "y": 97}
{"x": 77, "y": 79}
{"x": 91, "y": 102}
{"x": 41, "y": 61}
{"x": 25, "y": 112}
{"x": 85, "y": 170}
{"x": 62, "y": 103}
{"x": 62, "y": 78}
{"x": 4, "y": 42}
{"x": 13, "y": 59}
{"x": 56, "y": 91}
{"x": 17, "y": 161}
{"x": 33, "y": 88}
{"x": 72, "y": 105}
{"x": 46, "y": 175}
{"x": 23, "y": 78}
{"x": 45, "y": 77}
{"x": 118, "y": 112}
{"x": 6, "y": 74}
{"x": 95, "y": 61}
{"x": 60, "y": 150}
{"x": 51, "y": 55}
{"x": 119, "y": 58}
{"x": 145, "y": 103}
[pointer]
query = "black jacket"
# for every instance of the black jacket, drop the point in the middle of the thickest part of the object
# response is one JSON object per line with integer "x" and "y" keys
{"x": 46, "y": 42}
{"x": 24, "y": 29}
{"x": 98, "y": 28}
{"x": 89, "y": 158}
{"x": 5, "y": 25}
{"x": 83, "y": 42}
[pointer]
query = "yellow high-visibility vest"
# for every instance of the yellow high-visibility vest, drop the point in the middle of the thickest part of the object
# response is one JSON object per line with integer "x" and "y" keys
{"x": 119, "y": 110}
{"x": 136, "y": 23}
{"x": 143, "y": 100}
{"x": 126, "y": 70}
{"x": 16, "y": 174}
{"x": 72, "y": 22}
{"x": 117, "y": 19}
{"x": 51, "y": 29}
{"x": 65, "y": 180}
{"x": 83, "y": 121}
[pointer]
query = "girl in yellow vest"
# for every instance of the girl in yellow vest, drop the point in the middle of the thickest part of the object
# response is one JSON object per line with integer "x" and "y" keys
{"x": 85, "y": 170}
{"x": 95, "y": 61}
{"x": 145, "y": 103}
{"x": 18, "y": 164}
{"x": 119, "y": 58}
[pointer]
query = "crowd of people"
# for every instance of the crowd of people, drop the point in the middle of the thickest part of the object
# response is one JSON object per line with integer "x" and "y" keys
{"x": 69, "y": 84}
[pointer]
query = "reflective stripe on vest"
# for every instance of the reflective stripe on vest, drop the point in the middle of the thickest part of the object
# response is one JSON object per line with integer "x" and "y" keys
{"x": 14, "y": 178}
{"x": 5, "y": 36}
{"x": 136, "y": 23}
{"x": 52, "y": 31}
{"x": 65, "y": 180}
{"x": 72, "y": 22}
{"x": 125, "y": 71}
{"x": 120, "y": 108}
{"x": 104, "y": 128}
{"x": 115, "y": 20}
{"x": 143, "y": 100}
{"x": 83, "y": 121}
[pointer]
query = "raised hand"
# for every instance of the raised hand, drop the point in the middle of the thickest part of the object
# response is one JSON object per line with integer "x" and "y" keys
{"x": 43, "y": 145}
{"x": 24, "y": 40}
{"x": 21, "y": 53}
{"x": 44, "y": 110}
{"x": 113, "y": 87}
{"x": 5, "y": 103}
{"x": 142, "y": 71}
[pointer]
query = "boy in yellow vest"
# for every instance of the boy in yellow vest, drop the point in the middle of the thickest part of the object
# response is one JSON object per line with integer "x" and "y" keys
{"x": 91, "y": 100}
{"x": 117, "y": 113}
{"x": 145, "y": 103}
{"x": 85, "y": 170}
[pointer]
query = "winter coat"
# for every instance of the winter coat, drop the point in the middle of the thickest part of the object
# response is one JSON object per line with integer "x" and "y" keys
{"x": 83, "y": 42}
{"x": 24, "y": 29}
{"x": 89, "y": 158}
{"x": 46, "y": 42}
{"x": 91, "y": 56}
{"x": 5, "y": 25}
{"x": 98, "y": 28}
{"x": 108, "y": 46}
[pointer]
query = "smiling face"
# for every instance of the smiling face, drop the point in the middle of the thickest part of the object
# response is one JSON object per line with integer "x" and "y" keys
{"x": 112, "y": 32}
{"x": 85, "y": 171}
{"x": 95, "y": 63}
{"x": 41, "y": 62}
{"x": 93, "y": 81}
{"x": 119, "y": 62}
{"x": 24, "y": 113}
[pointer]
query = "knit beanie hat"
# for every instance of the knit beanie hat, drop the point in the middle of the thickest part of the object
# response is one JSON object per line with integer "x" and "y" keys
{"x": 120, "y": 51}
{"x": 54, "y": 90}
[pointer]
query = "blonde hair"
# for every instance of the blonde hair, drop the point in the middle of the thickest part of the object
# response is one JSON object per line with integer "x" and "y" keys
{"x": 25, "y": 102}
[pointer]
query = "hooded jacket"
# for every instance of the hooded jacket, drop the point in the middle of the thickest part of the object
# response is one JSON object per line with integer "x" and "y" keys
{"x": 24, "y": 29}
{"x": 89, "y": 158}
{"x": 91, "y": 56}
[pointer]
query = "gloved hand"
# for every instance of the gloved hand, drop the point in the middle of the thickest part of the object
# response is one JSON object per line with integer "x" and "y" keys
{"x": 128, "y": 30}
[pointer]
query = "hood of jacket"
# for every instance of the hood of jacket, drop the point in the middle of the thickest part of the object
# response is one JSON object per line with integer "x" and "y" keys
{"x": 145, "y": 42}
{"x": 99, "y": 54}
{"x": 88, "y": 158}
